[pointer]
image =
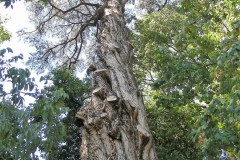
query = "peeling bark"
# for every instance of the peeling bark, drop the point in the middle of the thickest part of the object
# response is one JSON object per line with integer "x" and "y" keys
{"x": 114, "y": 124}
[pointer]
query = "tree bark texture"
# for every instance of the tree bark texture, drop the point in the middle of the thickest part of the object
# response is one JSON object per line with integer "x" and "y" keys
{"x": 114, "y": 125}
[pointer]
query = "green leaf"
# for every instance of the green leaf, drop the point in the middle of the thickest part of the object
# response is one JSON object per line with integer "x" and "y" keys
{"x": 26, "y": 86}
{"x": 9, "y": 50}
{"x": 42, "y": 78}
{"x": 20, "y": 86}
{"x": 2, "y": 52}
{"x": 31, "y": 86}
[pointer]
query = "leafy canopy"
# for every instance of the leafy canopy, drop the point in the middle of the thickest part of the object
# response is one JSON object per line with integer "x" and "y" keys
{"x": 189, "y": 57}
{"x": 47, "y": 125}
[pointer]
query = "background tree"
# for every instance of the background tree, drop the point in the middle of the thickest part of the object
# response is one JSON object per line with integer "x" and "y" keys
{"x": 183, "y": 53}
{"x": 167, "y": 80}
{"x": 77, "y": 93}
{"x": 47, "y": 125}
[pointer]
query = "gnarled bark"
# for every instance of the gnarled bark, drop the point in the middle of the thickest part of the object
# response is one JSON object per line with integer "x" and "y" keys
{"x": 114, "y": 123}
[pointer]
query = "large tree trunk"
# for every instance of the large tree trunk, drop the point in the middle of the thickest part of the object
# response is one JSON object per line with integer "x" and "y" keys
{"x": 114, "y": 123}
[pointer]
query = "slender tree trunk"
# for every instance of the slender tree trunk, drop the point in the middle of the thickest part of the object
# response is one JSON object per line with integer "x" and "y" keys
{"x": 114, "y": 123}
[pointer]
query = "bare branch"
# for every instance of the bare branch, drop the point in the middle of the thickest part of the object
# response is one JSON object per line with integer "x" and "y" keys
{"x": 65, "y": 28}
{"x": 73, "y": 8}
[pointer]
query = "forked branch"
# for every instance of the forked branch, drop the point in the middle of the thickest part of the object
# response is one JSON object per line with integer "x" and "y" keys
{"x": 77, "y": 18}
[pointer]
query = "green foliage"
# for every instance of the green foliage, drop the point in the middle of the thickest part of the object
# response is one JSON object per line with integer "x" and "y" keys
{"x": 18, "y": 138}
{"x": 19, "y": 78}
{"x": 171, "y": 76}
{"x": 46, "y": 125}
{"x": 190, "y": 55}
{"x": 24, "y": 133}
{"x": 171, "y": 127}
{"x": 9, "y": 3}
{"x": 4, "y": 34}
{"x": 16, "y": 131}
{"x": 218, "y": 124}
{"x": 69, "y": 92}
{"x": 76, "y": 90}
